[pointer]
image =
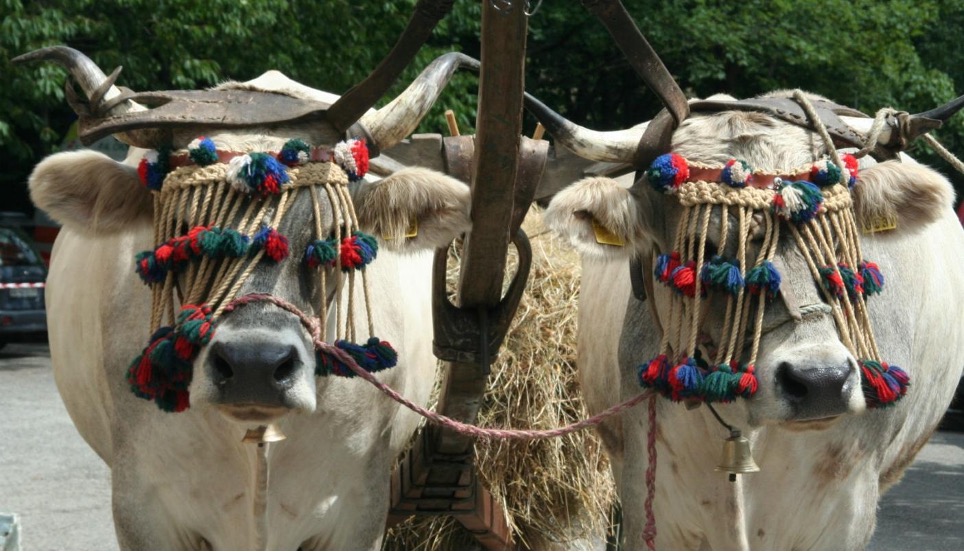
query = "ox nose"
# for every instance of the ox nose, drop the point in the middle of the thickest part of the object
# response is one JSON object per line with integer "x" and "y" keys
{"x": 815, "y": 391}
{"x": 254, "y": 372}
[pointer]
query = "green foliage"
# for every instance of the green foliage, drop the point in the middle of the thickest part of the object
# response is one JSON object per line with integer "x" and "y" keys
{"x": 864, "y": 53}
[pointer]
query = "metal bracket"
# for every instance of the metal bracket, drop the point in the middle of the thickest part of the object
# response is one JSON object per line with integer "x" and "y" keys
{"x": 473, "y": 335}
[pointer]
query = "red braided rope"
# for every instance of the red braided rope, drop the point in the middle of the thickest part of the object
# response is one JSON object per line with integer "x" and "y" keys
{"x": 649, "y": 532}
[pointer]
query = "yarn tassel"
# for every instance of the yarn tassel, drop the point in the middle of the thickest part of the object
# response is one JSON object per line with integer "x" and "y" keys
{"x": 763, "y": 279}
{"x": 357, "y": 251}
{"x": 873, "y": 279}
{"x": 321, "y": 252}
{"x": 274, "y": 243}
{"x": 833, "y": 281}
{"x": 747, "y": 384}
{"x": 666, "y": 263}
{"x": 883, "y": 385}
{"x": 655, "y": 374}
{"x": 718, "y": 385}
{"x": 797, "y": 201}
{"x": 683, "y": 278}
{"x": 722, "y": 274}
{"x": 685, "y": 380}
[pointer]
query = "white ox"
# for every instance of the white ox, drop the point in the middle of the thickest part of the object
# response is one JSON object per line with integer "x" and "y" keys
{"x": 186, "y": 480}
{"x": 825, "y": 459}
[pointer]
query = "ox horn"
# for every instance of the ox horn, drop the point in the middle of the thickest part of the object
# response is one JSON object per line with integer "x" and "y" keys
{"x": 390, "y": 124}
{"x": 902, "y": 129}
{"x": 615, "y": 146}
{"x": 103, "y": 98}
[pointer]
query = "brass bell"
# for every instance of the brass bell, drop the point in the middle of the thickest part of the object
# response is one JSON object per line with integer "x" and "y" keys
{"x": 264, "y": 434}
{"x": 736, "y": 456}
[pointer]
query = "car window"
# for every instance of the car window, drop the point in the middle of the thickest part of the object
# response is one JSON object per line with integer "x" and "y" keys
{"x": 14, "y": 251}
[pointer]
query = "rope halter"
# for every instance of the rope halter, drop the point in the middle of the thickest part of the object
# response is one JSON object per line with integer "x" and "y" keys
{"x": 814, "y": 205}
{"x": 216, "y": 217}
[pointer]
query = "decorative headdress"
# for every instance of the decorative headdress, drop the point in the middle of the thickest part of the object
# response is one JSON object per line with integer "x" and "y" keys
{"x": 203, "y": 257}
{"x": 816, "y": 205}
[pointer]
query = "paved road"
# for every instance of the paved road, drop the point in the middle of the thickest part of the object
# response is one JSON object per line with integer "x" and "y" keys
{"x": 60, "y": 488}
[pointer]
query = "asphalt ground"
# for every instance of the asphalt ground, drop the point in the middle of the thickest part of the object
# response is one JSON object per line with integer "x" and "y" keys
{"x": 61, "y": 490}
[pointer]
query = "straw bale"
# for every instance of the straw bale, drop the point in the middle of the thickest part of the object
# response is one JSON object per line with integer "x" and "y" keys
{"x": 558, "y": 493}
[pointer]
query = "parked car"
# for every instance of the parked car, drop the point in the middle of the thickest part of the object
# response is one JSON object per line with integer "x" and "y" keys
{"x": 22, "y": 275}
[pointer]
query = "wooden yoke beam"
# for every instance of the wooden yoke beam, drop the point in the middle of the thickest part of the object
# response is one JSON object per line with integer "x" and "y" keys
{"x": 450, "y": 475}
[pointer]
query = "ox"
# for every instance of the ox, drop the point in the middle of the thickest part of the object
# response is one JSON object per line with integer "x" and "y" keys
{"x": 825, "y": 456}
{"x": 186, "y": 480}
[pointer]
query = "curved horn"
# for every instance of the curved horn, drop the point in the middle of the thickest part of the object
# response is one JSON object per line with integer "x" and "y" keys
{"x": 615, "y": 146}
{"x": 344, "y": 112}
{"x": 87, "y": 74}
{"x": 902, "y": 129}
{"x": 390, "y": 124}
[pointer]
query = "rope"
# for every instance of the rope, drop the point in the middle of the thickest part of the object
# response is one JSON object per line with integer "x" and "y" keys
{"x": 313, "y": 326}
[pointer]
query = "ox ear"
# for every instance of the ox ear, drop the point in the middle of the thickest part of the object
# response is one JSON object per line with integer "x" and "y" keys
{"x": 902, "y": 192}
{"x": 600, "y": 218}
{"x": 90, "y": 192}
{"x": 414, "y": 209}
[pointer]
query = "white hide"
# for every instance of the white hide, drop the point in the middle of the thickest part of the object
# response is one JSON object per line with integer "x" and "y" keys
{"x": 186, "y": 480}
{"x": 819, "y": 482}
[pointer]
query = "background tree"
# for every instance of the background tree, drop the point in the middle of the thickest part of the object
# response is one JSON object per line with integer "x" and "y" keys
{"x": 862, "y": 53}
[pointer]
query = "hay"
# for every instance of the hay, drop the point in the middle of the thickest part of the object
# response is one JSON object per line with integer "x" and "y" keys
{"x": 557, "y": 492}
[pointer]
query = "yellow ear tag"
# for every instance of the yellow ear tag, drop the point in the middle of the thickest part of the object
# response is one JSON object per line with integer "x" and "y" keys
{"x": 412, "y": 229}
{"x": 605, "y": 236}
{"x": 880, "y": 224}
{"x": 410, "y": 232}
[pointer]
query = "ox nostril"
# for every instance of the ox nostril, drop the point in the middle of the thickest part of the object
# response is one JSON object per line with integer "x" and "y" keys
{"x": 794, "y": 387}
{"x": 222, "y": 369}
{"x": 286, "y": 369}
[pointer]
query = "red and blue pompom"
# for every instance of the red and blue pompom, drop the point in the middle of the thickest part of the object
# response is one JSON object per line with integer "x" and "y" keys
{"x": 736, "y": 174}
{"x": 873, "y": 278}
{"x": 274, "y": 243}
{"x": 352, "y": 156}
{"x": 797, "y": 201}
{"x": 202, "y": 151}
{"x": 683, "y": 279}
{"x": 655, "y": 374}
{"x": 666, "y": 263}
{"x": 883, "y": 385}
{"x": 685, "y": 380}
{"x": 294, "y": 152}
{"x": 763, "y": 279}
{"x": 357, "y": 251}
{"x": 850, "y": 169}
{"x": 257, "y": 173}
{"x": 842, "y": 282}
{"x": 153, "y": 168}
{"x": 667, "y": 172}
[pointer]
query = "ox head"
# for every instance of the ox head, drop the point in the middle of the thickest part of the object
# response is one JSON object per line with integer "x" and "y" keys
{"x": 749, "y": 238}
{"x": 247, "y": 220}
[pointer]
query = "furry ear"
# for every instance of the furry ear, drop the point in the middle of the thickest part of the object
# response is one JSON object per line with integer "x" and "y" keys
{"x": 90, "y": 192}
{"x": 414, "y": 209}
{"x": 902, "y": 192}
{"x": 598, "y": 217}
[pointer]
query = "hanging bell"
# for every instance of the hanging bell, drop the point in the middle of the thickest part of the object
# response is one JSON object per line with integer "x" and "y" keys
{"x": 264, "y": 434}
{"x": 736, "y": 456}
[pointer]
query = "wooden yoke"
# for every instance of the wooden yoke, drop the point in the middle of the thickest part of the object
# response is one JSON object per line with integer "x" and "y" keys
{"x": 439, "y": 475}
